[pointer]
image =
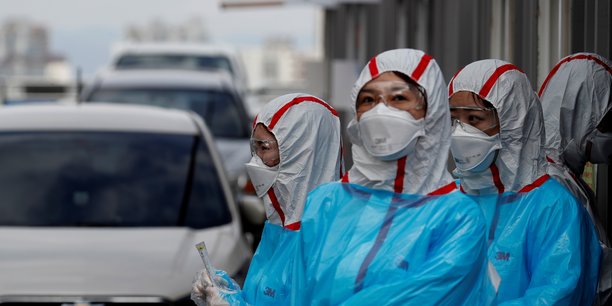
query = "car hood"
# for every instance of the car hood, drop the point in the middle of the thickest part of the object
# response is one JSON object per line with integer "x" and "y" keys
{"x": 235, "y": 154}
{"x": 108, "y": 262}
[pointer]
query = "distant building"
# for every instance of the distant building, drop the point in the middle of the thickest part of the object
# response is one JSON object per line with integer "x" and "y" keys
{"x": 277, "y": 68}
{"x": 29, "y": 71}
{"x": 275, "y": 64}
{"x": 24, "y": 50}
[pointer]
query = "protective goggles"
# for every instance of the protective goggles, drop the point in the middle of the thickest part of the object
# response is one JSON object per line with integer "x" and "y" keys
{"x": 260, "y": 146}
{"x": 482, "y": 118}
{"x": 399, "y": 95}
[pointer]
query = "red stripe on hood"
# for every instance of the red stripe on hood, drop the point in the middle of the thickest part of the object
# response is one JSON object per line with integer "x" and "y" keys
{"x": 496, "y": 74}
{"x": 420, "y": 68}
{"x": 254, "y": 121}
{"x": 398, "y": 187}
{"x": 276, "y": 205}
{"x": 373, "y": 68}
{"x": 537, "y": 183}
{"x": 567, "y": 60}
{"x": 451, "y": 91}
{"x": 497, "y": 179}
{"x": 296, "y": 101}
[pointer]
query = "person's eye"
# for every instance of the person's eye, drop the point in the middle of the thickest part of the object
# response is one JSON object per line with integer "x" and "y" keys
{"x": 261, "y": 145}
{"x": 473, "y": 118}
{"x": 367, "y": 99}
{"x": 399, "y": 97}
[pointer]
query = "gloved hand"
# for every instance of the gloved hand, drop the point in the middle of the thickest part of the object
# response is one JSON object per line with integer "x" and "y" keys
{"x": 203, "y": 293}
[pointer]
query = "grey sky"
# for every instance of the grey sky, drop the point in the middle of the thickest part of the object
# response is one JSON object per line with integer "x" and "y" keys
{"x": 83, "y": 30}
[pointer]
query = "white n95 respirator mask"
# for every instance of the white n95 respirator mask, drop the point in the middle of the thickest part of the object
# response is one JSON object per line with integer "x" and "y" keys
{"x": 388, "y": 133}
{"x": 262, "y": 176}
{"x": 473, "y": 150}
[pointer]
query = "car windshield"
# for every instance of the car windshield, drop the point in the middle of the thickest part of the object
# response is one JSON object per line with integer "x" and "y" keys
{"x": 220, "y": 110}
{"x": 173, "y": 61}
{"x": 108, "y": 179}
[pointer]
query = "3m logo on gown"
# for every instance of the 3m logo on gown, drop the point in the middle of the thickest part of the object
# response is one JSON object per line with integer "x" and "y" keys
{"x": 269, "y": 292}
{"x": 505, "y": 256}
{"x": 403, "y": 264}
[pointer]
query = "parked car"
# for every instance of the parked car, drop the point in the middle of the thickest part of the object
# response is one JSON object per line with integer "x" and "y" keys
{"x": 103, "y": 204}
{"x": 210, "y": 94}
{"x": 180, "y": 56}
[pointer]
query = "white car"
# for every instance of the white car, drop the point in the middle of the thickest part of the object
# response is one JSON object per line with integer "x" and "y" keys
{"x": 103, "y": 204}
{"x": 210, "y": 94}
{"x": 179, "y": 56}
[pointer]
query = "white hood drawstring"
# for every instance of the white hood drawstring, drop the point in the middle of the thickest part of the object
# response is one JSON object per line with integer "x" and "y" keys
{"x": 425, "y": 169}
{"x": 307, "y": 131}
{"x": 520, "y": 161}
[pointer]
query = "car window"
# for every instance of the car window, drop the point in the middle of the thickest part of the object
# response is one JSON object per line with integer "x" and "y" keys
{"x": 173, "y": 61}
{"x": 108, "y": 179}
{"x": 222, "y": 112}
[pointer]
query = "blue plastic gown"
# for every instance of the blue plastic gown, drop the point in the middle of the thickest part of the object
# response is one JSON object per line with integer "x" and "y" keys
{"x": 269, "y": 275}
{"x": 359, "y": 246}
{"x": 269, "y": 278}
{"x": 543, "y": 246}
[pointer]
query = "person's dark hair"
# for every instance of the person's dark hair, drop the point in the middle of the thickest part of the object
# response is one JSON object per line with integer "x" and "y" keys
{"x": 482, "y": 101}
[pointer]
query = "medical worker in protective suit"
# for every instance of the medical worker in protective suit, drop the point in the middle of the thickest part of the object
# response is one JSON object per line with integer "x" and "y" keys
{"x": 296, "y": 146}
{"x": 576, "y": 100}
{"x": 541, "y": 241}
{"x": 395, "y": 230}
